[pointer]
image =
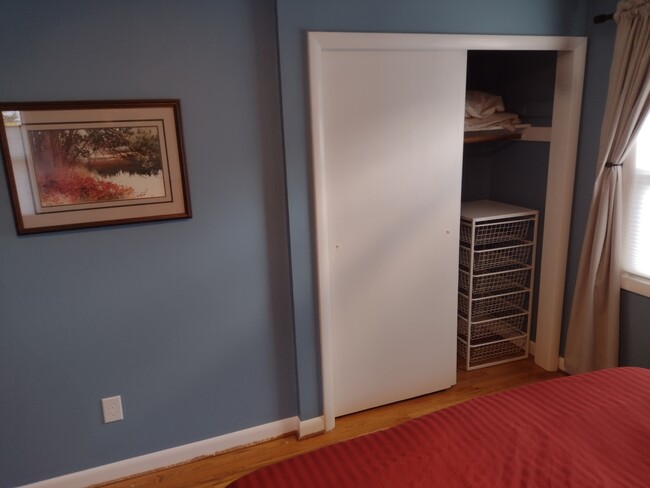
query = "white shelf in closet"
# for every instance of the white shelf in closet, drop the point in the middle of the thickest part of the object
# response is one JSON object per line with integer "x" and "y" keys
{"x": 535, "y": 134}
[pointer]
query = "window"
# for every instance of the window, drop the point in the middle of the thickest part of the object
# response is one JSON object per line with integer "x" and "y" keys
{"x": 636, "y": 259}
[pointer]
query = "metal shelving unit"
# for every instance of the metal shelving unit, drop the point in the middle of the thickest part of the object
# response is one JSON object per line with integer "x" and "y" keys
{"x": 495, "y": 282}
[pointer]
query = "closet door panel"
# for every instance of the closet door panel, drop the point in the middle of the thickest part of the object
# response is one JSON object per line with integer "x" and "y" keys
{"x": 392, "y": 131}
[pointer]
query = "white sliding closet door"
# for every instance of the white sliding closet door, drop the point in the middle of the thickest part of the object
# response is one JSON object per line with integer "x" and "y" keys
{"x": 392, "y": 129}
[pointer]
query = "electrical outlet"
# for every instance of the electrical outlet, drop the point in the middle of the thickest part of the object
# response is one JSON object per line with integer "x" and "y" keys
{"x": 112, "y": 408}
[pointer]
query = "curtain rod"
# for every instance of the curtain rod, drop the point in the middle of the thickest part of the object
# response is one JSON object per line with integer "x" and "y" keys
{"x": 599, "y": 19}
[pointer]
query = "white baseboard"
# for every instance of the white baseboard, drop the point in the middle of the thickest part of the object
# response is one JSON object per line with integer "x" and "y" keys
{"x": 560, "y": 362}
{"x": 180, "y": 454}
{"x": 308, "y": 428}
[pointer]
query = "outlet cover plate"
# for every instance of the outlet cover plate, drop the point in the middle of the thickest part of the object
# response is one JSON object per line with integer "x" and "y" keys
{"x": 112, "y": 408}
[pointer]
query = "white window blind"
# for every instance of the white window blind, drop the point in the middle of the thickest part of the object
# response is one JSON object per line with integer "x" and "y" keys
{"x": 637, "y": 235}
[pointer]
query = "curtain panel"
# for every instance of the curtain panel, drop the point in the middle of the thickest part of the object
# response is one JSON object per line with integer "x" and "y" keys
{"x": 593, "y": 333}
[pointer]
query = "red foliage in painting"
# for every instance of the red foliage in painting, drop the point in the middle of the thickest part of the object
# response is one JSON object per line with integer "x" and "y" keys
{"x": 70, "y": 186}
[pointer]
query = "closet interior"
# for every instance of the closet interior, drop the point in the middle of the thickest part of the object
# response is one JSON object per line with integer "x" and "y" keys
{"x": 508, "y": 165}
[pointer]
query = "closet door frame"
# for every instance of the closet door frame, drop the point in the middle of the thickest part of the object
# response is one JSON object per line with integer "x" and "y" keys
{"x": 571, "y": 54}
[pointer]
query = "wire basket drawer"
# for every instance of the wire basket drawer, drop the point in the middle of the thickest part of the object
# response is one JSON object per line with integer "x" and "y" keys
{"x": 494, "y": 282}
{"x": 493, "y": 330}
{"x": 495, "y": 232}
{"x": 501, "y": 351}
{"x": 485, "y": 260}
{"x": 493, "y": 306}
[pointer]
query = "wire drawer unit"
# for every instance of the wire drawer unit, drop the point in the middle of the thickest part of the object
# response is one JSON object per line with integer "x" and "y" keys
{"x": 495, "y": 282}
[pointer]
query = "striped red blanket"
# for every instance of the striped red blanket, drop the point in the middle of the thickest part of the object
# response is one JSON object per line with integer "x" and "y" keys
{"x": 590, "y": 430}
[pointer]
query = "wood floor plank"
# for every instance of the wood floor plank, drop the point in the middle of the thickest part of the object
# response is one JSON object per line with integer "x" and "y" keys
{"x": 219, "y": 470}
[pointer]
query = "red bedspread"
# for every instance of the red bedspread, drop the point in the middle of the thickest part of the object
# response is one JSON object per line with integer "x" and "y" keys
{"x": 590, "y": 430}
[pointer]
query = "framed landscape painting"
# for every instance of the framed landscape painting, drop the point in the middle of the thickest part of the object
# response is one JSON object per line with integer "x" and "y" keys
{"x": 86, "y": 164}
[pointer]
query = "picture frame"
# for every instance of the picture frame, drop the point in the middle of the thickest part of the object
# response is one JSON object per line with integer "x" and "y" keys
{"x": 94, "y": 163}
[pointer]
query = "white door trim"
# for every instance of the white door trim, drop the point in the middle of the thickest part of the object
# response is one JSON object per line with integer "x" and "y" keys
{"x": 563, "y": 150}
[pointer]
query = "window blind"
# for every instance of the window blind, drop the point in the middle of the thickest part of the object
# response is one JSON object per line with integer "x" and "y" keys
{"x": 637, "y": 235}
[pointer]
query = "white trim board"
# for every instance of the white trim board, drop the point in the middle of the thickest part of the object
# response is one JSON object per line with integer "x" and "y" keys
{"x": 560, "y": 361}
{"x": 311, "y": 427}
{"x": 369, "y": 41}
{"x": 182, "y": 454}
{"x": 559, "y": 198}
{"x": 561, "y": 364}
{"x": 635, "y": 284}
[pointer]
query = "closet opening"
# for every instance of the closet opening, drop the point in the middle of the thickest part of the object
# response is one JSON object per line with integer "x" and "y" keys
{"x": 359, "y": 82}
{"x": 509, "y": 163}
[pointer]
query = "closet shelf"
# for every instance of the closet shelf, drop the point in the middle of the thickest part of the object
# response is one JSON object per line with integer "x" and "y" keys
{"x": 528, "y": 133}
{"x": 490, "y": 135}
{"x": 496, "y": 134}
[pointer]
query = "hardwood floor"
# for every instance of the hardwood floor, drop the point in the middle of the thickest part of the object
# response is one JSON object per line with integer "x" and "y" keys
{"x": 221, "y": 469}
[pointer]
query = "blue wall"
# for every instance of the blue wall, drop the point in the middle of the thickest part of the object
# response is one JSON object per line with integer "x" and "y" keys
{"x": 189, "y": 320}
{"x": 635, "y": 330}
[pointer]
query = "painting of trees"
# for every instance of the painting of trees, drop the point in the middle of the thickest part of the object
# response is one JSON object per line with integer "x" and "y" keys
{"x": 75, "y": 165}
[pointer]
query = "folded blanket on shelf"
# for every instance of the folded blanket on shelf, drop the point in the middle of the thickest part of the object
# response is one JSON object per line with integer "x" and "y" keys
{"x": 479, "y": 104}
{"x": 486, "y": 111}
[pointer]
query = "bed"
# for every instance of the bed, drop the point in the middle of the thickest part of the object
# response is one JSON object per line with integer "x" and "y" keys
{"x": 590, "y": 430}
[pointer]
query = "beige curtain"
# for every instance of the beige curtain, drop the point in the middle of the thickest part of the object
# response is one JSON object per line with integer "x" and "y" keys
{"x": 593, "y": 333}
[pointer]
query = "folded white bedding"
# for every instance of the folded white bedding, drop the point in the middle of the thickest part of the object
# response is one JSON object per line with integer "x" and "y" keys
{"x": 503, "y": 120}
{"x": 485, "y": 111}
{"x": 479, "y": 104}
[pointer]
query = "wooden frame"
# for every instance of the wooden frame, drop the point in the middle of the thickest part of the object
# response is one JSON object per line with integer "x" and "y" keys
{"x": 559, "y": 198}
{"x": 94, "y": 163}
